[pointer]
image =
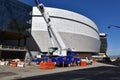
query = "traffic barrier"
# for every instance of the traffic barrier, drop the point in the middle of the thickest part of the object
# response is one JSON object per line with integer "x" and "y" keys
{"x": 2, "y": 62}
{"x": 51, "y": 65}
{"x": 13, "y": 64}
{"x": 20, "y": 64}
{"x": 6, "y": 63}
{"x": 83, "y": 63}
{"x": 47, "y": 65}
{"x": 42, "y": 65}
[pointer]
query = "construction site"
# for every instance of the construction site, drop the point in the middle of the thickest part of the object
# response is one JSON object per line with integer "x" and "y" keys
{"x": 45, "y": 36}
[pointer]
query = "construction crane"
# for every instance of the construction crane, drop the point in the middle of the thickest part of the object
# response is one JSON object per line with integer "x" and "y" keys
{"x": 53, "y": 33}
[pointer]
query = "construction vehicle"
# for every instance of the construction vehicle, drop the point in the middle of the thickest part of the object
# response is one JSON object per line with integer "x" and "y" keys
{"x": 60, "y": 54}
{"x": 53, "y": 33}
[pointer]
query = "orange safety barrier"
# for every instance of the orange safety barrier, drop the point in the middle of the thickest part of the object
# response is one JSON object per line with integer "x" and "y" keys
{"x": 47, "y": 65}
{"x": 14, "y": 64}
{"x": 83, "y": 63}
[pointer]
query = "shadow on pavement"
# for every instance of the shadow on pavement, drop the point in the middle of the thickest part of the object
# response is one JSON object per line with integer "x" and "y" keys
{"x": 108, "y": 61}
{"x": 97, "y": 73}
{"x": 115, "y": 63}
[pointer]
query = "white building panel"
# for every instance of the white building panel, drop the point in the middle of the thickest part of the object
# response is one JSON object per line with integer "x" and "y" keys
{"x": 77, "y": 31}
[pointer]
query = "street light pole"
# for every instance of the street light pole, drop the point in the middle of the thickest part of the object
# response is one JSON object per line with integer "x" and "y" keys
{"x": 113, "y": 26}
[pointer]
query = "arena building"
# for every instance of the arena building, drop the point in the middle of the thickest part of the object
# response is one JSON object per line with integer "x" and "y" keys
{"x": 77, "y": 31}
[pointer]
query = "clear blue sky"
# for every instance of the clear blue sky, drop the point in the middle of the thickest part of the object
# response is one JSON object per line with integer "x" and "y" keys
{"x": 102, "y": 12}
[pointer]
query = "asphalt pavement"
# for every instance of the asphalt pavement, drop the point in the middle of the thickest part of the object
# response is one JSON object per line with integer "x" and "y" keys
{"x": 96, "y": 71}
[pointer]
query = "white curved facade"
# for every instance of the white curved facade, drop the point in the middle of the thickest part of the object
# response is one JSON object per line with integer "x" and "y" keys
{"x": 77, "y": 31}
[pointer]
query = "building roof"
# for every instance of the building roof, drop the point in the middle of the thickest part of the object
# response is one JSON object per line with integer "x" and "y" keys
{"x": 103, "y": 34}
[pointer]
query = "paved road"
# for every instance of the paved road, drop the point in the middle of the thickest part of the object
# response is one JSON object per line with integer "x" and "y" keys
{"x": 97, "y": 71}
